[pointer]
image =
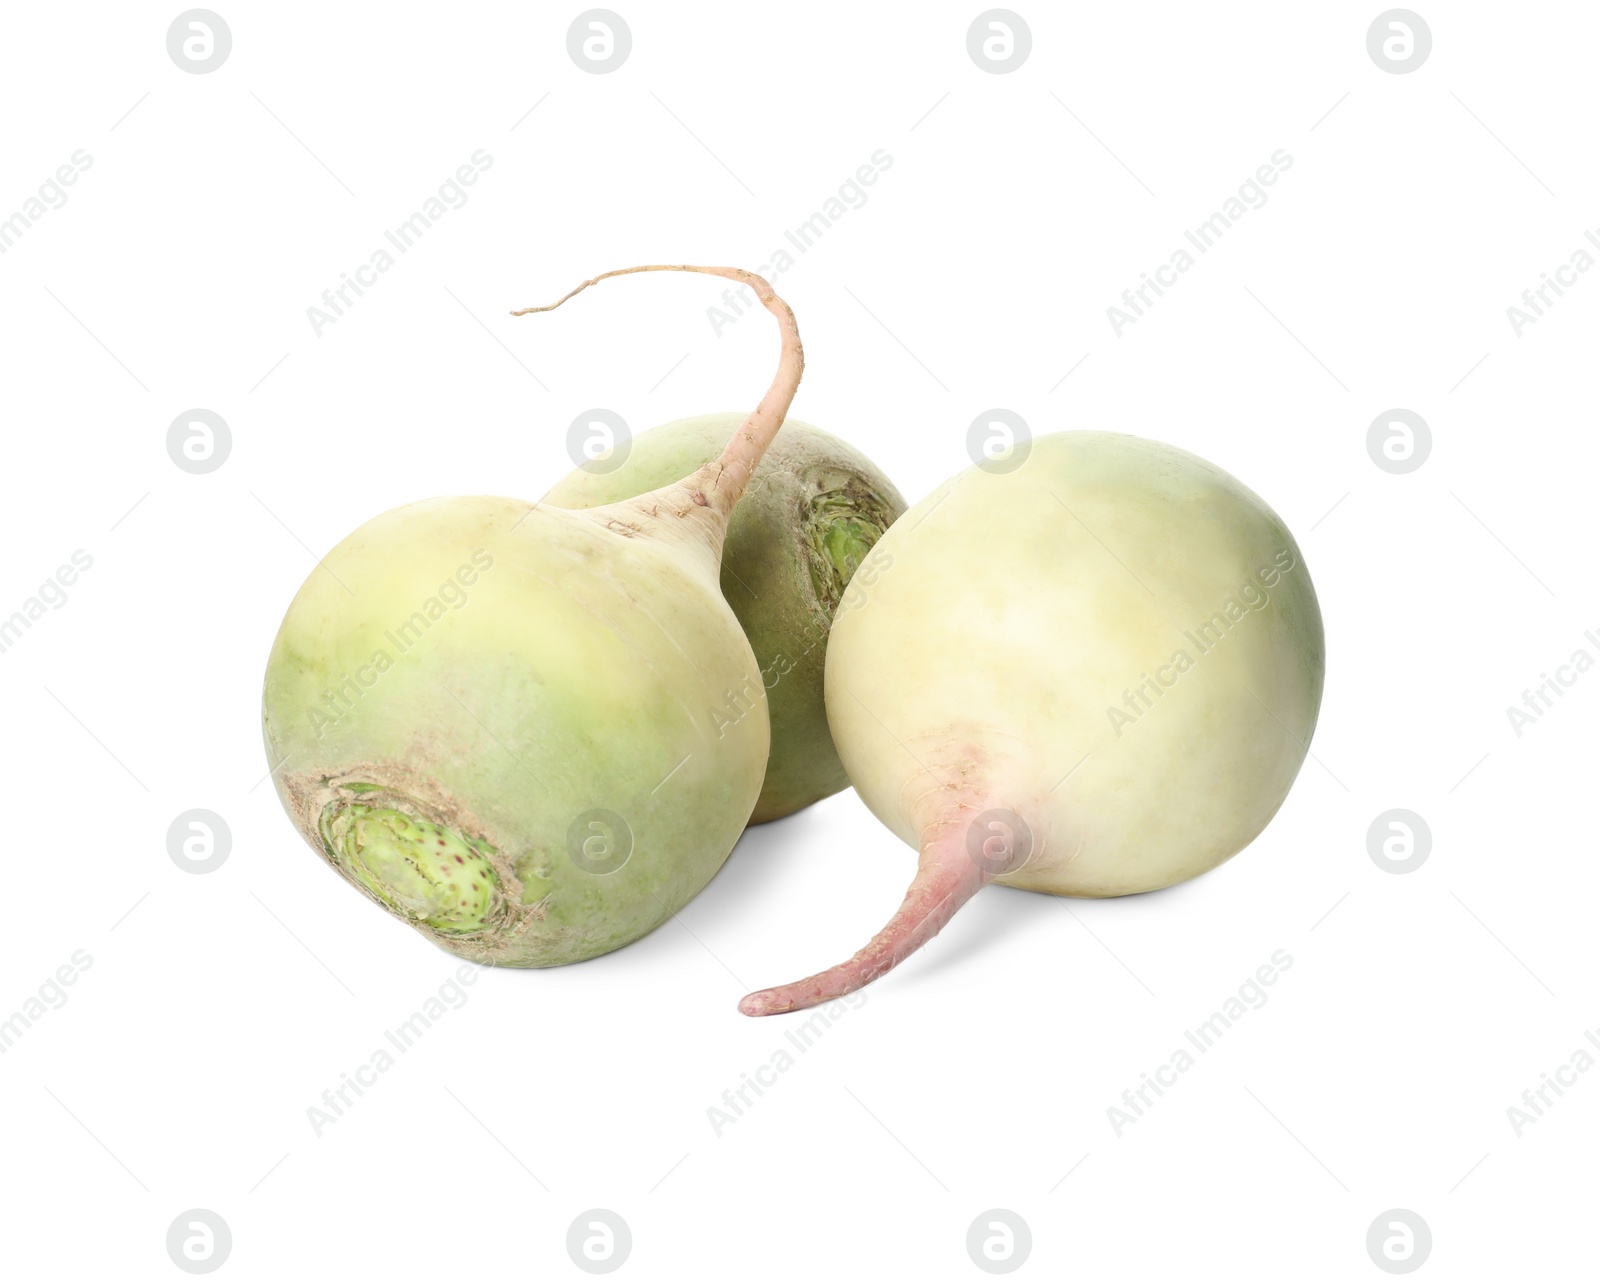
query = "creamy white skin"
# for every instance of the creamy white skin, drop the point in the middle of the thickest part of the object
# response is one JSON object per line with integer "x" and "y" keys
{"x": 1095, "y": 675}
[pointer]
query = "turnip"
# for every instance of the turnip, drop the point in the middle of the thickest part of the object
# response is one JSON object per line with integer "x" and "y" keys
{"x": 1094, "y": 675}
{"x": 494, "y": 718}
{"x": 813, "y": 510}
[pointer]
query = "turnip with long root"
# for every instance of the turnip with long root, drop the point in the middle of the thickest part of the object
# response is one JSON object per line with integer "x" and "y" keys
{"x": 494, "y": 718}
{"x": 1091, "y": 674}
{"x": 811, "y": 514}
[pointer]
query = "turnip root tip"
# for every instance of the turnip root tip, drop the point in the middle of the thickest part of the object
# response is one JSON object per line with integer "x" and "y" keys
{"x": 950, "y": 870}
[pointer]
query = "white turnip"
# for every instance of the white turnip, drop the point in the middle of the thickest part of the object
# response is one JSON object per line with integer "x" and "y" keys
{"x": 1094, "y": 675}
{"x": 494, "y": 717}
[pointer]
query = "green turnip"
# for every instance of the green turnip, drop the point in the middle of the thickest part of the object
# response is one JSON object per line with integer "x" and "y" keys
{"x": 813, "y": 510}
{"x": 494, "y": 718}
{"x": 1093, "y": 675}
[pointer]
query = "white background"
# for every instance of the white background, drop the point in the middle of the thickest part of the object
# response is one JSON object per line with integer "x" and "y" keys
{"x": 219, "y": 1007}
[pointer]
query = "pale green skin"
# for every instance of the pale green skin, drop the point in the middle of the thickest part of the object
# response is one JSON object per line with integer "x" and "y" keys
{"x": 975, "y": 670}
{"x": 579, "y": 673}
{"x": 814, "y": 508}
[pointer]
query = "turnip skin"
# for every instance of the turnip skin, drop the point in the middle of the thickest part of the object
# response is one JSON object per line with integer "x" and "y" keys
{"x": 976, "y": 673}
{"x": 814, "y": 508}
{"x": 576, "y": 676}
{"x": 577, "y": 673}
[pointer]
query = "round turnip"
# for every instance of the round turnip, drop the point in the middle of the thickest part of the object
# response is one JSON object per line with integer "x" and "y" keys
{"x": 814, "y": 508}
{"x": 494, "y": 717}
{"x": 1091, "y": 675}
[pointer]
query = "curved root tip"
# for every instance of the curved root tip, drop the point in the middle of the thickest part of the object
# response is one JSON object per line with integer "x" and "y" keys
{"x": 726, "y": 477}
{"x": 764, "y": 1004}
{"x": 946, "y": 880}
{"x": 758, "y": 284}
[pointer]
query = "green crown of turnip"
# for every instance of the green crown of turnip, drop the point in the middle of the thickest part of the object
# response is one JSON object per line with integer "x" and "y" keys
{"x": 812, "y": 512}
{"x": 495, "y": 718}
{"x": 1095, "y": 674}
